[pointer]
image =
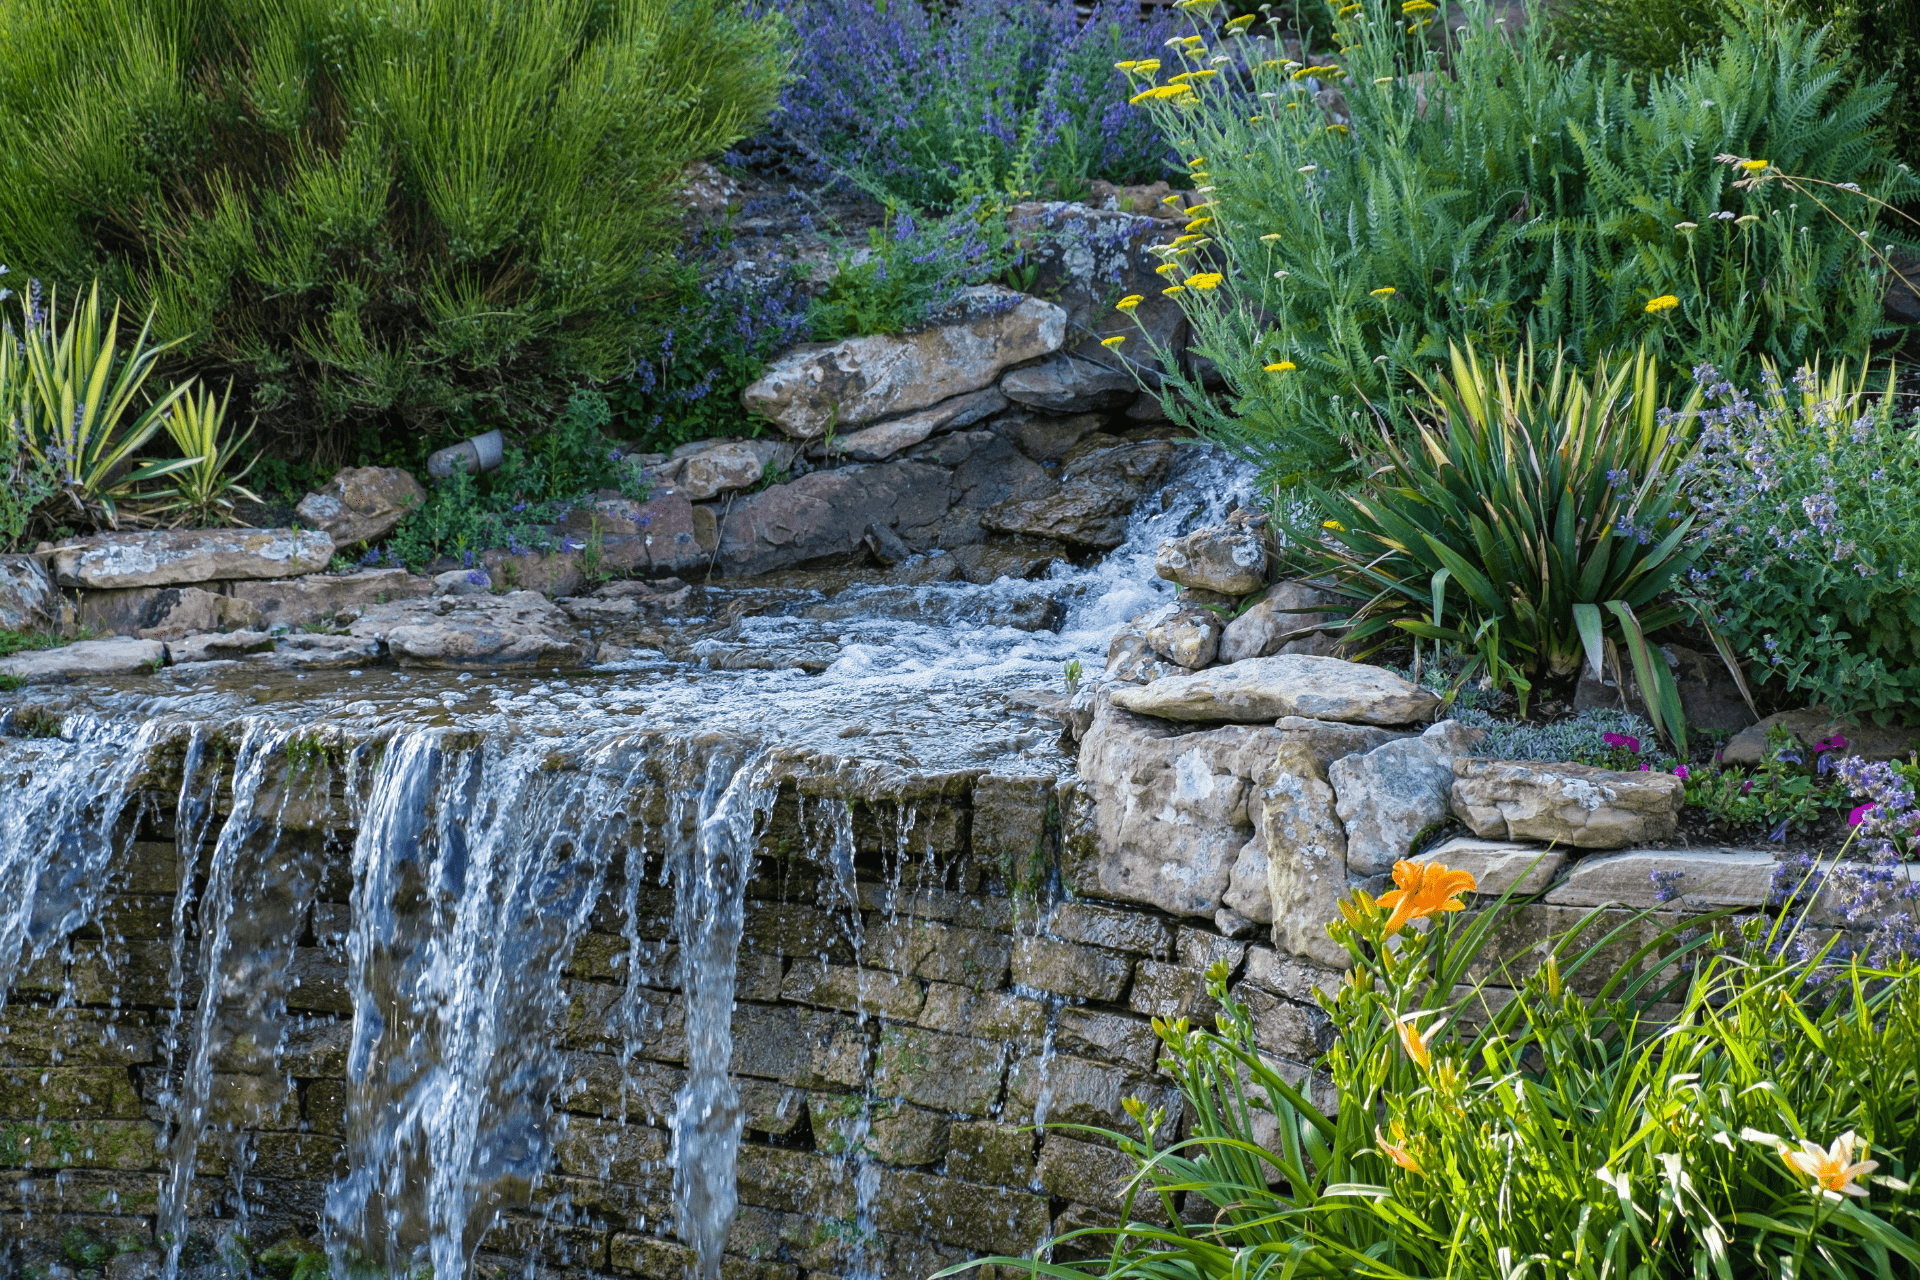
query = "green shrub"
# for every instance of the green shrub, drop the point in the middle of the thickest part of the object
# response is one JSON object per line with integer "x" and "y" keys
{"x": 1533, "y": 518}
{"x": 911, "y": 270}
{"x": 1554, "y": 1135}
{"x": 1515, "y": 194}
{"x": 408, "y": 213}
{"x": 1810, "y": 500}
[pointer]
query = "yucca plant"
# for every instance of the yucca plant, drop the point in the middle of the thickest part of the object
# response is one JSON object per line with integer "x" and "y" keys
{"x": 1532, "y": 517}
{"x": 1708, "y": 1108}
{"x": 203, "y": 492}
{"x": 80, "y": 409}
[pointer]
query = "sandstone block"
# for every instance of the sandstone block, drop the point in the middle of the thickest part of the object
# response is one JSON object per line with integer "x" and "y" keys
{"x": 169, "y": 557}
{"x": 456, "y": 631}
{"x": 1063, "y": 1089}
{"x": 1224, "y": 558}
{"x": 983, "y": 1151}
{"x": 1162, "y": 990}
{"x": 361, "y": 504}
{"x": 1300, "y": 1032}
{"x": 1500, "y": 865}
{"x": 81, "y": 1144}
{"x": 1096, "y": 1176}
{"x": 332, "y": 598}
{"x": 857, "y": 990}
{"x": 1069, "y": 969}
{"x": 1117, "y": 930}
{"x": 85, "y": 660}
{"x": 886, "y": 1131}
{"x": 1815, "y": 724}
{"x": 1265, "y": 689}
{"x": 1391, "y": 795}
{"x": 1694, "y": 879}
{"x": 1069, "y": 383}
{"x": 1100, "y": 484}
{"x": 884, "y": 439}
{"x": 1306, "y": 848}
{"x": 704, "y": 469}
{"x": 826, "y": 514}
{"x": 28, "y": 601}
{"x": 861, "y": 380}
{"x": 949, "y": 1210}
{"x": 1188, "y": 636}
{"x": 1112, "y": 1037}
{"x": 1289, "y": 976}
{"x": 1570, "y": 804}
{"x": 939, "y": 1070}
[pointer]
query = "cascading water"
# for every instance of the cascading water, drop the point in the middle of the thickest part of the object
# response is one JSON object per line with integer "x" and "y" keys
{"x": 490, "y": 817}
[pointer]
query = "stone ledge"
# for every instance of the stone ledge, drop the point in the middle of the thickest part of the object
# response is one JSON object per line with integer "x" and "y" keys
{"x": 1690, "y": 879}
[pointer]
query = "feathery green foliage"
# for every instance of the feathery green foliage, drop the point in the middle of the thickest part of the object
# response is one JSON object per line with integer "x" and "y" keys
{"x": 1512, "y": 194}
{"x": 404, "y": 214}
{"x": 1579, "y": 1131}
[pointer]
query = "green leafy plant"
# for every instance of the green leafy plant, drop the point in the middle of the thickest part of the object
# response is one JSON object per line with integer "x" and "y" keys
{"x": 1493, "y": 190}
{"x": 1532, "y": 518}
{"x": 911, "y": 270}
{"x": 79, "y": 411}
{"x": 1596, "y": 1125}
{"x": 204, "y": 492}
{"x": 1809, "y": 497}
{"x": 422, "y": 214}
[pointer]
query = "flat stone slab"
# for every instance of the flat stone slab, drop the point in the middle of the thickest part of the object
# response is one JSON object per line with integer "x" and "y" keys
{"x": 1571, "y": 804}
{"x": 1670, "y": 878}
{"x": 120, "y": 656}
{"x": 1261, "y": 690}
{"x": 172, "y": 557}
{"x": 216, "y": 646}
{"x": 1814, "y": 725}
{"x": 329, "y": 597}
{"x": 481, "y": 630}
{"x": 1500, "y": 865}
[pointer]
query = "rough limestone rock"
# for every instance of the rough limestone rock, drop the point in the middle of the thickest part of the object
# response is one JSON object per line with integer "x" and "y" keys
{"x": 1816, "y": 724}
{"x": 1188, "y": 636}
{"x": 1168, "y": 812}
{"x": 330, "y": 598}
{"x": 826, "y": 514}
{"x": 1500, "y": 865}
{"x": 1264, "y": 689}
{"x": 173, "y": 557}
{"x": 458, "y": 631}
{"x": 1306, "y": 856}
{"x": 1102, "y": 480}
{"x": 658, "y": 536}
{"x": 28, "y": 601}
{"x": 218, "y": 647}
{"x": 706, "y": 468}
{"x": 1290, "y": 617}
{"x": 1670, "y": 879}
{"x": 361, "y": 504}
{"x": 1392, "y": 794}
{"x": 177, "y": 612}
{"x": 1069, "y": 383}
{"x": 86, "y": 660}
{"x": 311, "y": 651}
{"x": 862, "y": 380}
{"x": 1569, "y": 804}
{"x": 462, "y": 582}
{"x": 884, "y": 439}
{"x": 1230, "y": 561}
{"x": 1045, "y": 438}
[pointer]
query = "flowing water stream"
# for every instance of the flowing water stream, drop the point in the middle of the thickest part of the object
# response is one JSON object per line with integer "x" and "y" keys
{"x": 479, "y": 819}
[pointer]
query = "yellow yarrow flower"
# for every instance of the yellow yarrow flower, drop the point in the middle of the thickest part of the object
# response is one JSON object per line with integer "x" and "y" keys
{"x": 1754, "y": 166}
{"x": 1166, "y": 268}
{"x": 1189, "y": 239}
{"x": 1281, "y": 366}
{"x": 1386, "y": 292}
{"x": 1665, "y": 302}
{"x": 1114, "y": 341}
{"x": 1198, "y": 222}
{"x": 1272, "y": 237}
{"x": 1352, "y": 8}
{"x": 1133, "y": 300}
{"x": 1171, "y": 290}
{"x": 1240, "y": 23}
{"x": 1206, "y": 280}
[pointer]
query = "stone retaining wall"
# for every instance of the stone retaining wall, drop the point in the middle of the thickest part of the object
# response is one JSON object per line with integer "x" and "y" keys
{"x": 891, "y": 1052}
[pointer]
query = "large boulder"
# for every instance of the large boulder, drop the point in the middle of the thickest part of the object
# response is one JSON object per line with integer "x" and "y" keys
{"x": 1188, "y": 636}
{"x": 1569, "y": 804}
{"x": 361, "y": 504}
{"x": 706, "y": 468}
{"x": 1264, "y": 689}
{"x": 1392, "y": 794}
{"x": 28, "y": 601}
{"x": 1100, "y": 484}
{"x": 176, "y": 612}
{"x": 1813, "y": 725}
{"x": 85, "y": 660}
{"x": 1070, "y": 383}
{"x": 476, "y": 630}
{"x": 884, "y": 439}
{"x": 1289, "y": 617}
{"x": 1306, "y": 849}
{"x": 174, "y": 557}
{"x": 1222, "y": 558}
{"x": 330, "y": 598}
{"x": 825, "y": 514}
{"x": 857, "y": 381}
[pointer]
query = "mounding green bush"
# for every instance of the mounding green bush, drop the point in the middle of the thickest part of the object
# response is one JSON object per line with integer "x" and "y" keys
{"x": 1755, "y": 1116}
{"x": 1498, "y": 193}
{"x": 416, "y": 213}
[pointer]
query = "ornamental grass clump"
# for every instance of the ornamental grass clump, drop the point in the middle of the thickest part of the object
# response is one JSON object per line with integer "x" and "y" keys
{"x": 932, "y": 105}
{"x": 1648, "y": 1105}
{"x": 1809, "y": 496}
{"x": 1456, "y": 181}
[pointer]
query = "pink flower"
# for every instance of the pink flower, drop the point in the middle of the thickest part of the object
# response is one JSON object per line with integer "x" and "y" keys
{"x": 1680, "y": 772}
{"x": 1836, "y": 743}
{"x": 1646, "y": 768}
{"x": 1858, "y": 814}
{"x": 1628, "y": 741}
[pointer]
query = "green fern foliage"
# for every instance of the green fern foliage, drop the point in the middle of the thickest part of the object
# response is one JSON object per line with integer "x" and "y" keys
{"x": 393, "y": 214}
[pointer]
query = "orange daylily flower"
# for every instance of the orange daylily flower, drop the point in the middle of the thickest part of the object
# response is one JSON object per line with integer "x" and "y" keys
{"x": 1397, "y": 1151}
{"x": 1422, "y": 889}
{"x": 1416, "y": 1042}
